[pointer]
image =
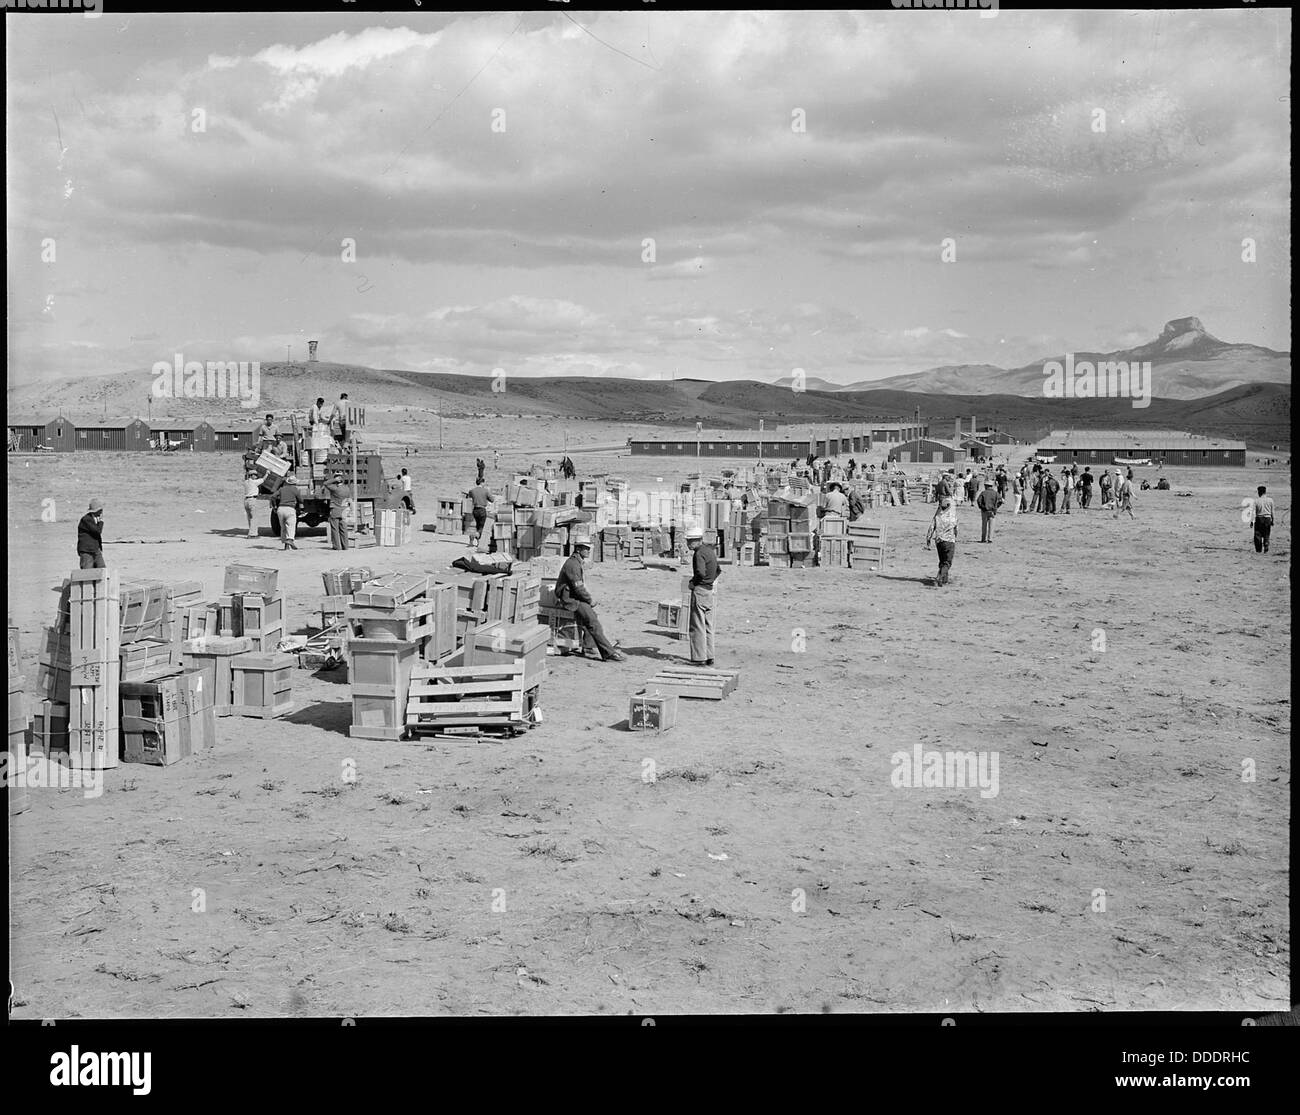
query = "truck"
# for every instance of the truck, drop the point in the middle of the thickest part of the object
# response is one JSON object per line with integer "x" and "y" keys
{"x": 371, "y": 485}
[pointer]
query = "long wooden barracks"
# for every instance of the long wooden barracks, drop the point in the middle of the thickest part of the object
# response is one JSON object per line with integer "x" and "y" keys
{"x": 780, "y": 445}
{"x": 33, "y": 433}
{"x": 1170, "y": 447}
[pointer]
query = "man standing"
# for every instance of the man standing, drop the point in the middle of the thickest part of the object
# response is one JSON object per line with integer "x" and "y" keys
{"x": 1017, "y": 492}
{"x": 496, "y": 458}
{"x": 288, "y": 502}
{"x": 252, "y": 485}
{"x": 338, "y": 493}
{"x": 571, "y": 592}
{"x": 704, "y": 573}
{"x": 987, "y": 502}
{"x": 267, "y": 434}
{"x": 481, "y": 497}
{"x": 1264, "y": 512}
{"x": 407, "y": 501}
{"x": 339, "y": 421}
{"x": 1123, "y": 495}
{"x": 316, "y": 415}
{"x": 1085, "y": 485}
{"x": 90, "y": 536}
{"x": 943, "y": 533}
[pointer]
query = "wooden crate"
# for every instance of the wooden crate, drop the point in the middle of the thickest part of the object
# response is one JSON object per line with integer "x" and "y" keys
{"x": 344, "y": 582}
{"x": 466, "y": 696}
{"x": 333, "y": 609}
{"x": 210, "y": 656}
{"x": 94, "y": 614}
{"x": 651, "y": 713}
{"x": 504, "y": 644}
{"x": 146, "y": 656}
{"x": 834, "y": 552}
{"x": 261, "y": 613}
{"x": 262, "y": 685}
{"x": 379, "y": 672}
{"x": 50, "y": 728}
{"x": 142, "y": 608}
{"x": 442, "y": 640}
{"x": 409, "y": 622}
{"x": 799, "y": 543}
{"x": 250, "y": 578}
{"x": 694, "y": 682}
{"x": 94, "y": 726}
{"x": 392, "y": 590}
{"x": 831, "y": 525}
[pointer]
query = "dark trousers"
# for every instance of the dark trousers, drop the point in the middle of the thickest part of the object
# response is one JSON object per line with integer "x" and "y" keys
{"x": 986, "y": 526}
{"x": 586, "y": 616}
{"x": 96, "y": 561}
{"x": 480, "y": 517}
{"x": 408, "y": 502}
{"x": 338, "y": 533}
{"x": 1263, "y": 527}
{"x": 947, "y": 551}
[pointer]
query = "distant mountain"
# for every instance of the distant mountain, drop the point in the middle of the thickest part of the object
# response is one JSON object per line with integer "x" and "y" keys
{"x": 1186, "y": 363}
{"x": 1256, "y": 412}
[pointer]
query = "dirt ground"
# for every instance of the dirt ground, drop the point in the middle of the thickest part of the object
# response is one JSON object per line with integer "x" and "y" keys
{"x": 770, "y": 865}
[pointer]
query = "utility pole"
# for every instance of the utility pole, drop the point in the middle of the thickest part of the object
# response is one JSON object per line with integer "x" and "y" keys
{"x": 287, "y": 350}
{"x": 439, "y": 421}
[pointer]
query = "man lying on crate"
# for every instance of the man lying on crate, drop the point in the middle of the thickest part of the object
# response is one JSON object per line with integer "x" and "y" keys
{"x": 571, "y": 592}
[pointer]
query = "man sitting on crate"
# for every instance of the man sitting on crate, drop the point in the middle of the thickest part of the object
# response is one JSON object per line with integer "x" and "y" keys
{"x": 571, "y": 592}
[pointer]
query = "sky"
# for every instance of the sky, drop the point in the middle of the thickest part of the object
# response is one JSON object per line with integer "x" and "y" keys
{"x": 722, "y": 195}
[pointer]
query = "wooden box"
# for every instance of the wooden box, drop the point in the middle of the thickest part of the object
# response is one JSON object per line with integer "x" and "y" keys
{"x": 94, "y": 726}
{"x": 466, "y": 696}
{"x": 50, "y": 727}
{"x": 409, "y": 622}
{"x": 333, "y": 609}
{"x": 262, "y": 685}
{"x": 344, "y": 582}
{"x": 831, "y": 525}
{"x": 799, "y": 543}
{"x": 392, "y": 590}
{"x": 250, "y": 578}
{"x": 504, "y": 644}
{"x": 210, "y": 656}
{"x": 94, "y": 615}
{"x": 651, "y": 713}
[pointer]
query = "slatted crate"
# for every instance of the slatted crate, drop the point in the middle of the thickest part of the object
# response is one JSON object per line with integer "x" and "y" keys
{"x": 391, "y": 590}
{"x": 466, "y": 696}
{"x": 344, "y": 582}
{"x": 694, "y": 682}
{"x": 94, "y": 613}
{"x": 262, "y": 685}
{"x": 94, "y": 725}
{"x": 333, "y": 609}
{"x": 442, "y": 641}
{"x": 146, "y": 657}
{"x": 867, "y": 546}
{"x": 834, "y": 552}
{"x": 142, "y": 607}
{"x": 831, "y": 525}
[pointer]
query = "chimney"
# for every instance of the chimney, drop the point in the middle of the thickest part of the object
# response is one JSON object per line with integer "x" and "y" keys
{"x": 972, "y": 425}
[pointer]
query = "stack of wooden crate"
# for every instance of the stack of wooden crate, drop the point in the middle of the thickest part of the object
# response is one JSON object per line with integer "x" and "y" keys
{"x": 379, "y": 672}
{"x": 94, "y": 618}
{"x": 450, "y": 520}
{"x": 213, "y": 656}
{"x": 250, "y": 607}
{"x": 833, "y": 542}
{"x": 340, "y": 584}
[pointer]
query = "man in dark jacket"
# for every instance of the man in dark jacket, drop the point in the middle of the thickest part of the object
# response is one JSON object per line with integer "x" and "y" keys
{"x": 90, "y": 536}
{"x": 987, "y": 501}
{"x": 571, "y": 592}
{"x": 338, "y": 493}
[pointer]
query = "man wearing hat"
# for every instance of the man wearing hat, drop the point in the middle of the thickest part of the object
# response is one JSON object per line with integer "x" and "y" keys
{"x": 987, "y": 501}
{"x": 837, "y": 503}
{"x": 704, "y": 572}
{"x": 252, "y": 485}
{"x": 338, "y": 493}
{"x": 288, "y": 502}
{"x": 571, "y": 592}
{"x": 90, "y": 536}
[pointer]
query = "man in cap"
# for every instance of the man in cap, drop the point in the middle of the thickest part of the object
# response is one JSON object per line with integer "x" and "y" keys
{"x": 252, "y": 485}
{"x": 987, "y": 501}
{"x": 837, "y": 503}
{"x": 571, "y": 592}
{"x": 90, "y": 536}
{"x": 704, "y": 573}
{"x": 288, "y": 503}
{"x": 338, "y": 493}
